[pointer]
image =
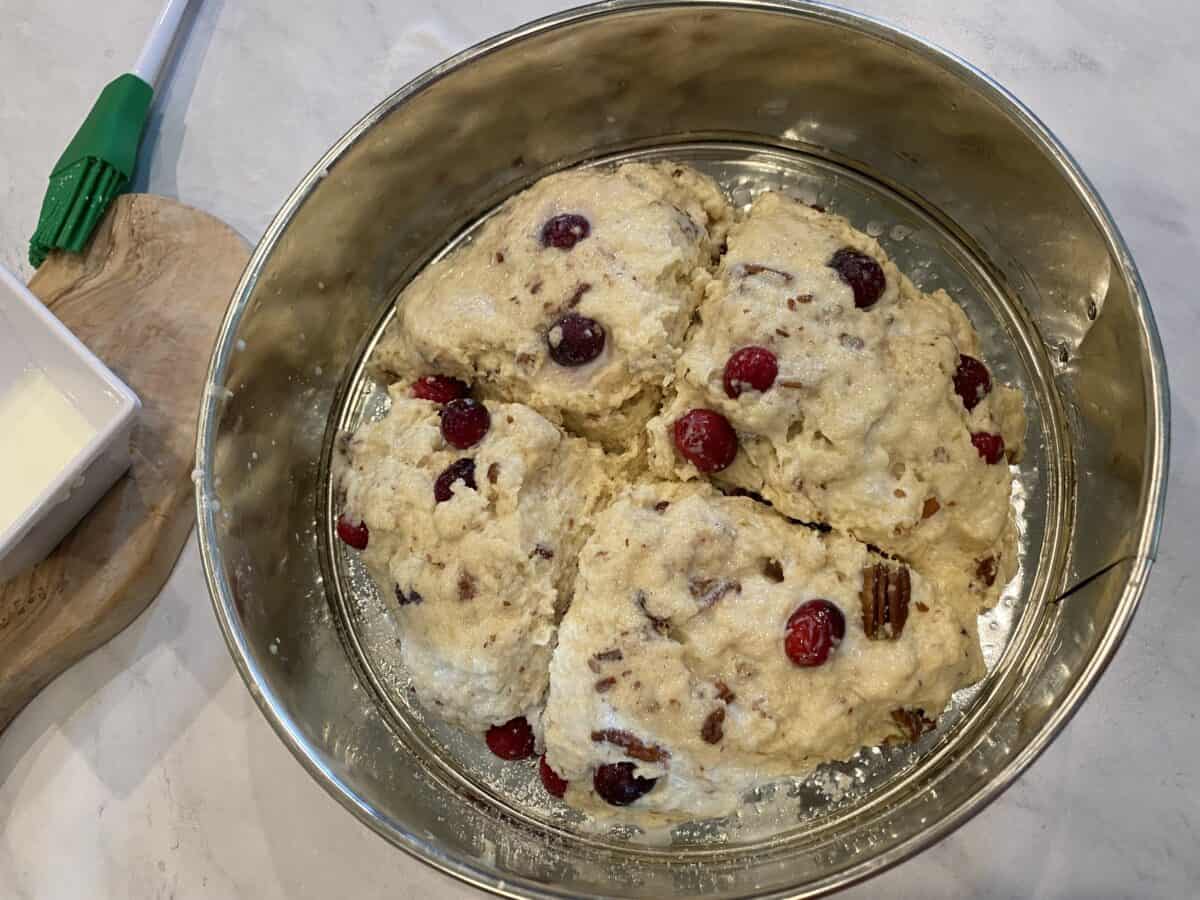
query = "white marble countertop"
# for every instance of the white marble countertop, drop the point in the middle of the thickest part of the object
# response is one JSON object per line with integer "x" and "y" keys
{"x": 147, "y": 772}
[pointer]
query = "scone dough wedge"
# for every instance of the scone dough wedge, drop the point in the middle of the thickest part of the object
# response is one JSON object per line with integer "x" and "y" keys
{"x": 626, "y": 250}
{"x": 476, "y": 581}
{"x": 671, "y": 658}
{"x": 862, "y": 427}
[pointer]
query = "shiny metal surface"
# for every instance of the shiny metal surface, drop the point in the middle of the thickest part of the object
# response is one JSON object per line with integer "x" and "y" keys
{"x": 760, "y": 92}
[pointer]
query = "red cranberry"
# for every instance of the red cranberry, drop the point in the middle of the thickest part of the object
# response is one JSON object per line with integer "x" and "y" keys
{"x": 555, "y": 786}
{"x": 565, "y": 231}
{"x": 706, "y": 439}
{"x": 863, "y": 274}
{"x": 512, "y": 740}
{"x": 355, "y": 536}
{"x": 460, "y": 470}
{"x": 439, "y": 389}
{"x": 971, "y": 381}
{"x": 813, "y": 632}
{"x": 750, "y": 369}
{"x": 616, "y": 783}
{"x": 990, "y": 446}
{"x": 465, "y": 422}
{"x": 574, "y": 340}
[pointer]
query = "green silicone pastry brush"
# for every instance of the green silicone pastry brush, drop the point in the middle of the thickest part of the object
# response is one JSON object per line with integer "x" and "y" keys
{"x": 99, "y": 161}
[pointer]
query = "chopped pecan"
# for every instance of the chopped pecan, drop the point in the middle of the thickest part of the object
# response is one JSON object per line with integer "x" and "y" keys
{"x": 633, "y": 747}
{"x": 799, "y": 298}
{"x": 922, "y": 607}
{"x": 661, "y": 505}
{"x": 543, "y": 551}
{"x": 985, "y": 570}
{"x": 493, "y": 473}
{"x": 756, "y": 269}
{"x": 931, "y": 506}
{"x": 711, "y": 731}
{"x": 724, "y": 693}
{"x": 605, "y": 684}
{"x": 772, "y": 570}
{"x": 598, "y": 659}
{"x": 662, "y": 626}
{"x": 574, "y": 299}
{"x": 466, "y": 586}
{"x": 912, "y": 723}
{"x": 707, "y": 591}
{"x": 886, "y": 593}
{"x": 406, "y": 599}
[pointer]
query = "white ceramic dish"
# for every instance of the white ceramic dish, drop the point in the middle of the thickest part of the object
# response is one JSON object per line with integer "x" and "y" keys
{"x": 33, "y": 344}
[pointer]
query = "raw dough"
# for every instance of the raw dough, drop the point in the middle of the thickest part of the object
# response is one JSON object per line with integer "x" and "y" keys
{"x": 680, "y": 598}
{"x": 675, "y": 608}
{"x": 483, "y": 313}
{"x": 862, "y": 428}
{"x": 492, "y": 567}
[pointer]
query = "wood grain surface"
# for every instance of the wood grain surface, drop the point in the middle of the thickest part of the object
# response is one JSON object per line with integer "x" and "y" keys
{"x": 147, "y": 297}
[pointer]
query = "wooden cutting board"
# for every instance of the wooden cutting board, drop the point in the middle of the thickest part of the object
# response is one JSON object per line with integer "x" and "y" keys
{"x": 147, "y": 297}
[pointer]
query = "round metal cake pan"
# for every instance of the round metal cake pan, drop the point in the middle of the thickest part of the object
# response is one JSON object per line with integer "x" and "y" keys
{"x": 787, "y": 87}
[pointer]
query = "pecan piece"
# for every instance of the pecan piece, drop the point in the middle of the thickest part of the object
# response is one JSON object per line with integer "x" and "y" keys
{"x": 605, "y": 684}
{"x": 466, "y": 586}
{"x": 912, "y": 722}
{"x": 574, "y": 299}
{"x": 772, "y": 570}
{"x": 541, "y": 550}
{"x": 930, "y": 508}
{"x": 707, "y": 591}
{"x": 712, "y": 731}
{"x": 886, "y": 593}
{"x": 985, "y": 570}
{"x": 724, "y": 693}
{"x": 633, "y": 747}
{"x": 598, "y": 659}
{"x": 409, "y": 598}
{"x": 756, "y": 269}
{"x": 662, "y": 626}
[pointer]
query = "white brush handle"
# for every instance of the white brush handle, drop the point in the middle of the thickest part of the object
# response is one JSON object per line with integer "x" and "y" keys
{"x": 158, "y": 45}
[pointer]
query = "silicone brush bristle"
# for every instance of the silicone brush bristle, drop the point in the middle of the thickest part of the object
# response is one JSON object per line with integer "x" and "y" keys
{"x": 76, "y": 200}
